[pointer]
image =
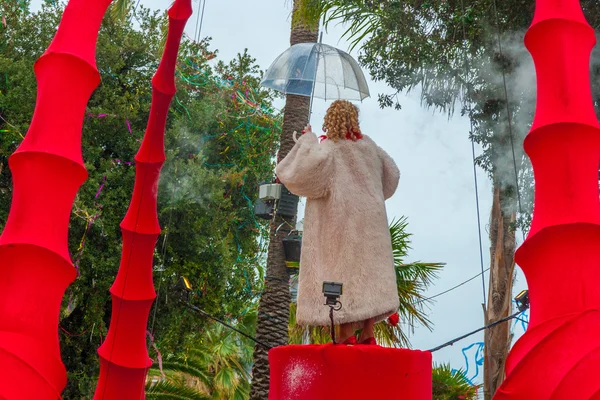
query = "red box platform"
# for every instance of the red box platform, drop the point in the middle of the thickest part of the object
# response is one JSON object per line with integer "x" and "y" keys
{"x": 339, "y": 372}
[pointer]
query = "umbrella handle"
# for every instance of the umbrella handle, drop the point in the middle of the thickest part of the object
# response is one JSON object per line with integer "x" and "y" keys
{"x": 294, "y": 136}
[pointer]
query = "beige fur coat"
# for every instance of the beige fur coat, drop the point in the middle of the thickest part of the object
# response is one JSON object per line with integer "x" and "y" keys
{"x": 346, "y": 236}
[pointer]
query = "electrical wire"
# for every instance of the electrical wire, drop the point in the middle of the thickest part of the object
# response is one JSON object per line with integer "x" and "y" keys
{"x": 199, "y": 32}
{"x": 451, "y": 342}
{"x": 467, "y": 69}
{"x": 164, "y": 253}
{"x": 197, "y": 19}
{"x": 452, "y": 288}
{"x": 207, "y": 315}
{"x": 508, "y": 113}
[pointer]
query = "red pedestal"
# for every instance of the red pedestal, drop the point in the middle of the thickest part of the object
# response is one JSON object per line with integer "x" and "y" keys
{"x": 332, "y": 372}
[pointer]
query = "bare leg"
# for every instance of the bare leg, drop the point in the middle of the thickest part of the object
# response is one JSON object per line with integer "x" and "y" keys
{"x": 367, "y": 331}
{"x": 346, "y": 330}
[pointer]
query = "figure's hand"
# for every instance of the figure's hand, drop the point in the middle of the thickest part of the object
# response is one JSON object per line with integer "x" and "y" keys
{"x": 307, "y": 129}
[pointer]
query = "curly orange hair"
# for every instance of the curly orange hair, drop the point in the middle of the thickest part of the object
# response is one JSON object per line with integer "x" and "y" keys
{"x": 341, "y": 119}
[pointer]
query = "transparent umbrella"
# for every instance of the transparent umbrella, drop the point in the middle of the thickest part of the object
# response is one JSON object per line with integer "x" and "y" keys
{"x": 317, "y": 70}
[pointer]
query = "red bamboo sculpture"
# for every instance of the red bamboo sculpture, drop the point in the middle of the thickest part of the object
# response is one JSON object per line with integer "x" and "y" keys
{"x": 558, "y": 358}
{"x": 124, "y": 357}
{"x": 47, "y": 170}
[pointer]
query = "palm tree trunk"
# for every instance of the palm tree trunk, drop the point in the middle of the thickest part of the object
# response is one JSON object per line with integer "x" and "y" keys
{"x": 274, "y": 306}
{"x": 498, "y": 338}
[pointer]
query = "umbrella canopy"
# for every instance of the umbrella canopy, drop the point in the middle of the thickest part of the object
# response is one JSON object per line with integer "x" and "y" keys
{"x": 319, "y": 70}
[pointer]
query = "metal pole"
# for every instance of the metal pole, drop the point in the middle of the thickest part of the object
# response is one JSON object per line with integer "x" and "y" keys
{"x": 312, "y": 93}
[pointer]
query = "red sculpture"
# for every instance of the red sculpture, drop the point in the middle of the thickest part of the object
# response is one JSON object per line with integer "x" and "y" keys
{"x": 48, "y": 169}
{"x": 559, "y": 355}
{"x": 124, "y": 357}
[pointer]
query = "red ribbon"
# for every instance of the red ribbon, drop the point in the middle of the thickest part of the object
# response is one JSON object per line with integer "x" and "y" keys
{"x": 358, "y": 136}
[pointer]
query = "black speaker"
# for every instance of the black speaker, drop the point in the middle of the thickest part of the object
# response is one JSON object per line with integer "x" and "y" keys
{"x": 263, "y": 209}
{"x": 288, "y": 203}
{"x": 292, "y": 246}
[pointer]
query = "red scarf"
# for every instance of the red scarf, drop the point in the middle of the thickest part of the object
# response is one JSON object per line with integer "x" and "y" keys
{"x": 358, "y": 136}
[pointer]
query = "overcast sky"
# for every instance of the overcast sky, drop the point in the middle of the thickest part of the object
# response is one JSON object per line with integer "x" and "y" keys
{"x": 433, "y": 153}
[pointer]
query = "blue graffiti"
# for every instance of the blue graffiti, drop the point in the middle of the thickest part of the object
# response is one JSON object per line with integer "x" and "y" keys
{"x": 477, "y": 356}
{"x": 523, "y": 318}
{"x": 475, "y": 352}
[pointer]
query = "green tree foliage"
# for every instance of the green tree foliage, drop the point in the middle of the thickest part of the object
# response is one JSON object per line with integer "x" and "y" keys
{"x": 221, "y": 139}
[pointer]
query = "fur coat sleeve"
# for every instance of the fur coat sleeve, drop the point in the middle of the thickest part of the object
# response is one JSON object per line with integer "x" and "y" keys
{"x": 308, "y": 168}
{"x": 391, "y": 173}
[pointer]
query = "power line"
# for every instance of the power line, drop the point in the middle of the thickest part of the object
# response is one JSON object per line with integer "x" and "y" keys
{"x": 207, "y": 315}
{"x": 451, "y": 342}
{"x": 197, "y": 20}
{"x": 453, "y": 288}
{"x": 467, "y": 68}
{"x": 164, "y": 253}
{"x": 508, "y": 114}
{"x": 199, "y": 27}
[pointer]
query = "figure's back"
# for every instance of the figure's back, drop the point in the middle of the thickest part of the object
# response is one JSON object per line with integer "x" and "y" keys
{"x": 346, "y": 236}
{"x": 357, "y": 169}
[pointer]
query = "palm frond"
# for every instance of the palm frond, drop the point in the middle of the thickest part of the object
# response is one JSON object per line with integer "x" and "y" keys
{"x": 362, "y": 19}
{"x": 188, "y": 367}
{"x": 226, "y": 380}
{"x": 167, "y": 390}
{"x": 215, "y": 362}
{"x": 164, "y": 30}
{"x": 400, "y": 239}
{"x": 412, "y": 279}
{"x": 390, "y": 336}
{"x": 120, "y": 9}
{"x": 317, "y": 334}
{"x": 242, "y": 392}
{"x": 449, "y": 384}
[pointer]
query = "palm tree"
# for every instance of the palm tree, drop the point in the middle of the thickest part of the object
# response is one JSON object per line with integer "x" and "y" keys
{"x": 413, "y": 279}
{"x": 274, "y": 306}
{"x": 449, "y": 384}
{"x": 216, "y": 366}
